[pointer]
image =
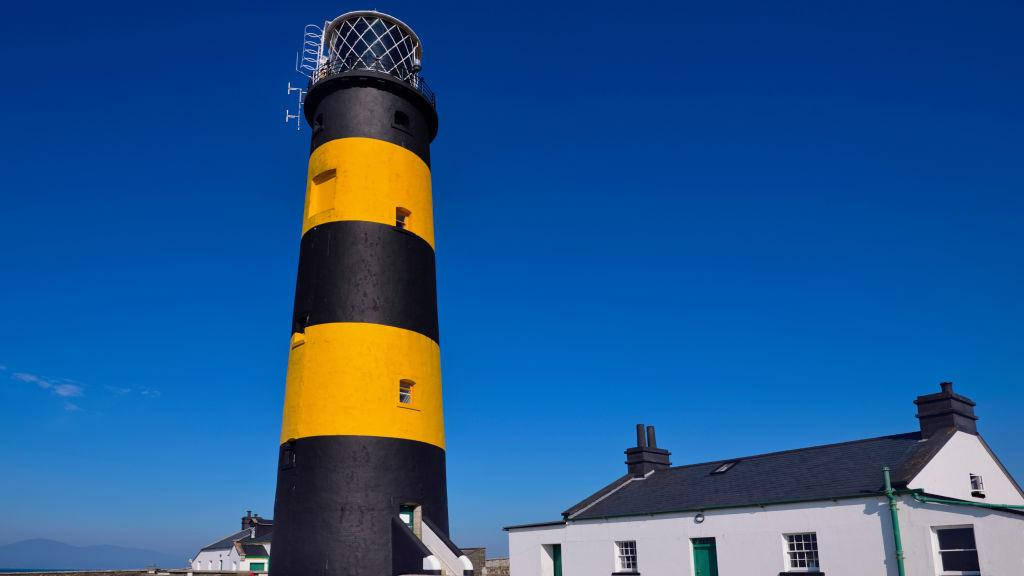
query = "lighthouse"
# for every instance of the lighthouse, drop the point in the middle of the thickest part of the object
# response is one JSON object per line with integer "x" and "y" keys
{"x": 361, "y": 487}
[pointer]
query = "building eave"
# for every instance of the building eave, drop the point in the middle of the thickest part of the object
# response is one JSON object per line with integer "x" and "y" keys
{"x": 730, "y": 507}
{"x": 535, "y": 525}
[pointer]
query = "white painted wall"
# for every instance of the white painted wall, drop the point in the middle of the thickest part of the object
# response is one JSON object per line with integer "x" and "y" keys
{"x": 749, "y": 541}
{"x": 948, "y": 473}
{"x": 999, "y": 535}
{"x": 854, "y": 539}
{"x": 210, "y": 560}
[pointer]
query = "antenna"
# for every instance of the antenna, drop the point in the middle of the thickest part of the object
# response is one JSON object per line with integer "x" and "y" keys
{"x": 288, "y": 116}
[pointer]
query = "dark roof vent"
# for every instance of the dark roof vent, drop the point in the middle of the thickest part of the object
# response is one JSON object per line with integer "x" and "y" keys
{"x": 646, "y": 457}
{"x": 946, "y": 410}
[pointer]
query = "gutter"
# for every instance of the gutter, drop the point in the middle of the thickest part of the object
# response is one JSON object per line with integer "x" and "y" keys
{"x": 534, "y": 525}
{"x": 897, "y": 538}
{"x": 931, "y": 500}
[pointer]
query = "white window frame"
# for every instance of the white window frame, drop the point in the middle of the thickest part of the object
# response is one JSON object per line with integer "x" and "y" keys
{"x": 937, "y": 552}
{"x": 977, "y": 483}
{"x": 621, "y": 550}
{"x": 787, "y": 553}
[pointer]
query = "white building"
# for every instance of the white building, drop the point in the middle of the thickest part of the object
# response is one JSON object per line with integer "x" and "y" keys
{"x": 819, "y": 510}
{"x": 247, "y": 550}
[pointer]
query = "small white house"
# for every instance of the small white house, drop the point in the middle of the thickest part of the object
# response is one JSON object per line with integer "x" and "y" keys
{"x": 810, "y": 511}
{"x": 247, "y": 550}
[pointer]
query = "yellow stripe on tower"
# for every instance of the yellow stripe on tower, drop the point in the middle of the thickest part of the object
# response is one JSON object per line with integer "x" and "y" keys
{"x": 344, "y": 378}
{"x": 367, "y": 179}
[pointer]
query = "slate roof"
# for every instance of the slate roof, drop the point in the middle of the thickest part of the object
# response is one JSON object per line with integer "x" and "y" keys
{"x": 265, "y": 529}
{"x": 253, "y": 550}
{"x": 265, "y": 536}
{"x": 849, "y": 469}
{"x": 226, "y": 543}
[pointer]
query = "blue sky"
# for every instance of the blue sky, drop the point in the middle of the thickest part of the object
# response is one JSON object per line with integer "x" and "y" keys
{"x": 756, "y": 225}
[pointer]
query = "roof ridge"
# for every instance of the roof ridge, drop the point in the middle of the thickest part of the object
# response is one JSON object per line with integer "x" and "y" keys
{"x": 231, "y": 536}
{"x": 792, "y": 450}
{"x": 607, "y": 494}
{"x": 613, "y": 485}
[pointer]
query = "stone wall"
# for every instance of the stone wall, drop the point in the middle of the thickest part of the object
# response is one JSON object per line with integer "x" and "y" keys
{"x": 496, "y": 567}
{"x": 478, "y": 557}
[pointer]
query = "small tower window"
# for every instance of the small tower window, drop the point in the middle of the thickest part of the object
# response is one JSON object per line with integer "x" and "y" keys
{"x": 407, "y": 512}
{"x": 288, "y": 455}
{"x": 402, "y": 217}
{"x": 405, "y": 391}
{"x": 401, "y": 120}
{"x": 321, "y": 192}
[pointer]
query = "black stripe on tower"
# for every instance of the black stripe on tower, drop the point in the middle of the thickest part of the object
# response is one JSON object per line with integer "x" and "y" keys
{"x": 379, "y": 107}
{"x": 358, "y": 483}
{"x": 354, "y": 271}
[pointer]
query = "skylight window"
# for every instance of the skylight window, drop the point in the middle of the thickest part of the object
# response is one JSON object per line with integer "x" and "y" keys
{"x": 722, "y": 469}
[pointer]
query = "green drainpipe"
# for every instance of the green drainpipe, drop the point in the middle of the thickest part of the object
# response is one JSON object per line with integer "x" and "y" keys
{"x": 929, "y": 500}
{"x": 897, "y": 537}
{"x": 893, "y": 510}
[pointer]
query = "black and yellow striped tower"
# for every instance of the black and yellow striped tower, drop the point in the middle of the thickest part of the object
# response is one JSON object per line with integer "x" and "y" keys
{"x": 361, "y": 485}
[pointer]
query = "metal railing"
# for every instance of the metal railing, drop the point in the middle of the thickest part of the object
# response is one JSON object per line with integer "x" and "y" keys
{"x": 339, "y": 65}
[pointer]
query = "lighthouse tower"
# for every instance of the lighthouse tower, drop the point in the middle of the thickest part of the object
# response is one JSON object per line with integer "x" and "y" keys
{"x": 361, "y": 485}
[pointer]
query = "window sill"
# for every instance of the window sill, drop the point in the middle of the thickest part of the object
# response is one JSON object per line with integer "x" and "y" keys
{"x": 407, "y": 407}
{"x": 633, "y": 573}
{"x": 802, "y": 573}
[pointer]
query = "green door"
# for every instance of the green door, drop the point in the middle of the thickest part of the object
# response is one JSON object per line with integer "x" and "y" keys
{"x": 705, "y": 557}
{"x": 556, "y": 558}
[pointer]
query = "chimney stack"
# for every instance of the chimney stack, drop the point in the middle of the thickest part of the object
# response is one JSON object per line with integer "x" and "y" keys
{"x": 247, "y": 520}
{"x": 646, "y": 457}
{"x": 945, "y": 410}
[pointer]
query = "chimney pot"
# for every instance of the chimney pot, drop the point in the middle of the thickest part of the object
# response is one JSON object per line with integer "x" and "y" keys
{"x": 646, "y": 457}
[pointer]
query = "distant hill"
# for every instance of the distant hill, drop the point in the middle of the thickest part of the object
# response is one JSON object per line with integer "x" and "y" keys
{"x": 53, "y": 555}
